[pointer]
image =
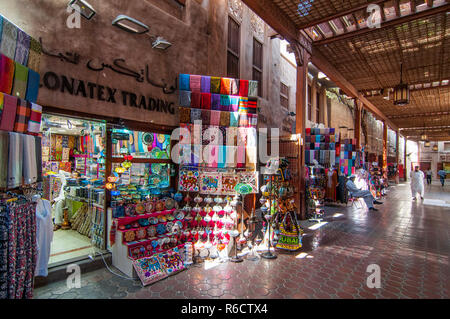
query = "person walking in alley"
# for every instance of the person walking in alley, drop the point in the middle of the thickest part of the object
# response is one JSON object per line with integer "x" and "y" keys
{"x": 417, "y": 185}
{"x": 442, "y": 175}
{"x": 429, "y": 175}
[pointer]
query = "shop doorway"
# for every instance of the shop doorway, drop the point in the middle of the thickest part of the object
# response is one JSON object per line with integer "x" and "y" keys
{"x": 73, "y": 166}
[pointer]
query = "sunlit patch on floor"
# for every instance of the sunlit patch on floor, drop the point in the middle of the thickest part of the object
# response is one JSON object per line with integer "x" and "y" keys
{"x": 435, "y": 202}
{"x": 303, "y": 255}
{"x": 318, "y": 225}
{"x": 337, "y": 215}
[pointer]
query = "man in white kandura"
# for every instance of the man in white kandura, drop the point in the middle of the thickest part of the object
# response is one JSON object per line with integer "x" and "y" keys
{"x": 417, "y": 185}
{"x": 358, "y": 193}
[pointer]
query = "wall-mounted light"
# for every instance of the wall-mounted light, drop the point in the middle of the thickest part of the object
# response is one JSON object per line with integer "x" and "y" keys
{"x": 83, "y": 7}
{"x": 130, "y": 25}
{"x": 161, "y": 43}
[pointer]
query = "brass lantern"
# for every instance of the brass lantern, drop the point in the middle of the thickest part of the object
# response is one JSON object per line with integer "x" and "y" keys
{"x": 401, "y": 91}
{"x": 424, "y": 137}
{"x": 435, "y": 148}
{"x": 427, "y": 144}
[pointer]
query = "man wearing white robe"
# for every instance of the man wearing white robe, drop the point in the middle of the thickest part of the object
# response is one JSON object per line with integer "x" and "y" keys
{"x": 417, "y": 185}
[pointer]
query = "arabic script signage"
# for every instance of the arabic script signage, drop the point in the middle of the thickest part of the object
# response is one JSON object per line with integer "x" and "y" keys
{"x": 95, "y": 91}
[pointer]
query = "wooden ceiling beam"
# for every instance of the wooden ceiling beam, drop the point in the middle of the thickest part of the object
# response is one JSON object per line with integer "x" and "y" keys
{"x": 412, "y": 5}
{"x": 409, "y": 116}
{"x": 386, "y": 24}
{"x": 429, "y": 3}
{"x": 326, "y": 67}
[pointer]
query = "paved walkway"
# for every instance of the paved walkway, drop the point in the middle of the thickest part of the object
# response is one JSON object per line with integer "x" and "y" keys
{"x": 410, "y": 242}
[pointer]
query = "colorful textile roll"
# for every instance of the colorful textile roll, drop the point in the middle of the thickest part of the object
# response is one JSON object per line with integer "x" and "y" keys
{"x": 234, "y": 103}
{"x": 252, "y": 120}
{"x": 224, "y": 119}
{"x": 185, "y": 98}
{"x": 196, "y": 115}
{"x": 225, "y": 86}
{"x": 234, "y": 87}
{"x": 32, "y": 86}
{"x": 185, "y": 115}
{"x": 195, "y": 83}
{"x": 205, "y": 84}
{"x": 243, "y": 88}
{"x": 34, "y": 124}
{"x": 34, "y": 55}
{"x": 215, "y": 102}
{"x": 215, "y": 85}
{"x": 234, "y": 119}
{"x": 9, "y": 112}
{"x": 22, "y": 47}
{"x": 253, "y": 89}
{"x": 215, "y": 118}
{"x": 206, "y": 117}
{"x": 20, "y": 81}
{"x": 6, "y": 74}
{"x": 196, "y": 100}
{"x": 184, "y": 82}
{"x": 206, "y": 101}
{"x": 225, "y": 102}
{"x": 9, "y": 39}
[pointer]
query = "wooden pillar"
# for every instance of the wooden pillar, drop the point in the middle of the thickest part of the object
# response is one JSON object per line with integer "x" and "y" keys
{"x": 302, "y": 58}
{"x": 397, "y": 152}
{"x": 357, "y": 121}
{"x": 385, "y": 143}
{"x": 405, "y": 161}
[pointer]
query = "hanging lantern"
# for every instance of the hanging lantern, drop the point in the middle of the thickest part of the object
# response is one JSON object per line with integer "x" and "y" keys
{"x": 435, "y": 147}
{"x": 401, "y": 91}
{"x": 427, "y": 144}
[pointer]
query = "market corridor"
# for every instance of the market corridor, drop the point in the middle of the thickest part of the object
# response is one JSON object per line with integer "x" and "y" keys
{"x": 408, "y": 240}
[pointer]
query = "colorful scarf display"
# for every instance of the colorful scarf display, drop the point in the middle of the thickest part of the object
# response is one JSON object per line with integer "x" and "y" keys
{"x": 215, "y": 85}
{"x": 23, "y": 114}
{"x": 225, "y": 86}
{"x": 22, "y": 47}
{"x": 32, "y": 86}
{"x": 9, "y": 39}
{"x": 215, "y": 102}
{"x": 243, "y": 88}
{"x": 184, "y": 81}
{"x": 34, "y": 124}
{"x": 34, "y": 55}
{"x": 9, "y": 112}
{"x": 206, "y": 84}
{"x": 195, "y": 83}
{"x": 206, "y": 101}
{"x": 20, "y": 81}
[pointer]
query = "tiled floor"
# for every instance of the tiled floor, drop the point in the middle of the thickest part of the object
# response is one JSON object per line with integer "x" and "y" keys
{"x": 410, "y": 242}
{"x": 68, "y": 244}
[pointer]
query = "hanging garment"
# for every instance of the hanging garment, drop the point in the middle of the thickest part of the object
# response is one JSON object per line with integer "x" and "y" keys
{"x": 29, "y": 159}
{"x": 215, "y": 85}
{"x": 38, "y": 149}
{"x": 22, "y": 47}
{"x": 34, "y": 124}
{"x": 6, "y": 74}
{"x": 4, "y": 148}
{"x": 44, "y": 234}
{"x": 15, "y": 160}
{"x": 331, "y": 184}
{"x": 243, "y": 88}
{"x": 253, "y": 89}
{"x": 185, "y": 98}
{"x": 225, "y": 86}
{"x": 206, "y": 101}
{"x": 9, "y": 112}
{"x": 20, "y": 81}
{"x": 34, "y": 56}
{"x": 206, "y": 84}
{"x": 215, "y": 102}
{"x": 184, "y": 82}
{"x": 9, "y": 39}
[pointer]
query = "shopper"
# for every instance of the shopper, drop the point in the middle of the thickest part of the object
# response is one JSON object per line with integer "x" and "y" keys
{"x": 429, "y": 175}
{"x": 442, "y": 175}
{"x": 417, "y": 185}
{"x": 358, "y": 193}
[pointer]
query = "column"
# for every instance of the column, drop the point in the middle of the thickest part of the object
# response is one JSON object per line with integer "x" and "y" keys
{"x": 397, "y": 151}
{"x": 385, "y": 143}
{"x": 302, "y": 58}
{"x": 357, "y": 121}
{"x": 405, "y": 161}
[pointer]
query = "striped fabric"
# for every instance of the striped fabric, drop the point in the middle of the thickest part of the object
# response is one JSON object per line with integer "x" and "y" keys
{"x": 23, "y": 114}
{"x": 243, "y": 105}
{"x": 252, "y": 106}
{"x": 34, "y": 124}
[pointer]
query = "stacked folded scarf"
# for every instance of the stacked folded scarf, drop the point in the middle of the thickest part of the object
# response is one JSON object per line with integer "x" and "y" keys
{"x": 234, "y": 87}
{"x": 6, "y": 74}
{"x": 195, "y": 83}
{"x": 196, "y": 100}
{"x": 234, "y": 103}
{"x": 224, "y": 118}
{"x": 9, "y": 39}
{"x": 206, "y": 117}
{"x": 234, "y": 119}
{"x": 32, "y": 86}
{"x": 20, "y": 81}
{"x": 185, "y": 115}
{"x": 215, "y": 85}
{"x": 185, "y": 98}
{"x": 23, "y": 114}
{"x": 22, "y": 47}
{"x": 225, "y": 86}
{"x": 206, "y": 101}
{"x": 253, "y": 88}
{"x": 215, "y": 118}
{"x": 9, "y": 112}
{"x": 34, "y": 124}
{"x": 215, "y": 102}
{"x": 225, "y": 103}
{"x": 196, "y": 115}
{"x": 34, "y": 56}
{"x": 184, "y": 82}
{"x": 205, "y": 84}
{"x": 243, "y": 88}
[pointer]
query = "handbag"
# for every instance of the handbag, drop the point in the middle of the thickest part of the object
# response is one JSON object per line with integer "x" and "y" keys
{"x": 290, "y": 239}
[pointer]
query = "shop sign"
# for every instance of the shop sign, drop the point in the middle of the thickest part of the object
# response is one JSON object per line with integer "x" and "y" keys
{"x": 95, "y": 91}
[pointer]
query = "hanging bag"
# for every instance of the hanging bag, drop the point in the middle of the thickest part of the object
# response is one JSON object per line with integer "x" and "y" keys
{"x": 290, "y": 238}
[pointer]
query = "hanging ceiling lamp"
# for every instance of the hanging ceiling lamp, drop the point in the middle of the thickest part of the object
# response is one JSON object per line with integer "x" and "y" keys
{"x": 424, "y": 137}
{"x": 401, "y": 91}
{"x": 427, "y": 144}
{"x": 435, "y": 147}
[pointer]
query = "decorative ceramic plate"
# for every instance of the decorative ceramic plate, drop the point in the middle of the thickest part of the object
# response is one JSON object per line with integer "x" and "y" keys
{"x": 149, "y": 207}
{"x": 140, "y": 209}
{"x": 153, "y": 220}
{"x": 147, "y": 138}
{"x": 170, "y": 203}
{"x": 141, "y": 233}
{"x": 155, "y": 153}
{"x": 161, "y": 138}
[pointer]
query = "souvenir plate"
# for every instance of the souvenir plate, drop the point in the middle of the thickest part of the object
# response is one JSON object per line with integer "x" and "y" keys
{"x": 153, "y": 220}
{"x": 151, "y": 231}
{"x": 140, "y": 209}
{"x": 149, "y": 207}
{"x": 170, "y": 203}
{"x": 157, "y": 168}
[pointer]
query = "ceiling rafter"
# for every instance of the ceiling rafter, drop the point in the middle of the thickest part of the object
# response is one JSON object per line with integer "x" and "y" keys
{"x": 408, "y": 116}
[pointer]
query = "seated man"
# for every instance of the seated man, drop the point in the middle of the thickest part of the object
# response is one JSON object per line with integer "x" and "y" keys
{"x": 366, "y": 195}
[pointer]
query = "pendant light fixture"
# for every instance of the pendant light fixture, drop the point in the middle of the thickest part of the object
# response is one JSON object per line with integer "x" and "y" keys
{"x": 435, "y": 147}
{"x": 427, "y": 144}
{"x": 401, "y": 91}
